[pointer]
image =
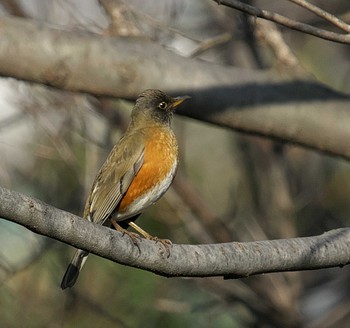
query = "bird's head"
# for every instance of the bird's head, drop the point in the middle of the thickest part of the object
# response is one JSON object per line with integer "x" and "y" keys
{"x": 157, "y": 106}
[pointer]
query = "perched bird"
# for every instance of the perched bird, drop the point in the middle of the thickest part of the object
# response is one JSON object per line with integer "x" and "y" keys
{"x": 137, "y": 172}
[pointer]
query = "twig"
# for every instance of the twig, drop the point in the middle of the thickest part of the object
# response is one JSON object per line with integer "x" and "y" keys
{"x": 323, "y": 14}
{"x": 285, "y": 21}
{"x": 211, "y": 43}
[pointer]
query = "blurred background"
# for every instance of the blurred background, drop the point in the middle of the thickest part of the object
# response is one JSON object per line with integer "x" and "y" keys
{"x": 229, "y": 186}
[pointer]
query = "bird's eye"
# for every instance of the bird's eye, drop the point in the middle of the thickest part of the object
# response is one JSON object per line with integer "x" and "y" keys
{"x": 163, "y": 105}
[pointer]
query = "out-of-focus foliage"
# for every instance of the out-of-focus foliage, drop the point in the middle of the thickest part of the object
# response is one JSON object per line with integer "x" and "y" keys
{"x": 53, "y": 143}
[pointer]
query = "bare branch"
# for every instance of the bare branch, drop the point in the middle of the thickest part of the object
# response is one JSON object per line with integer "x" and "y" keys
{"x": 323, "y": 14}
{"x": 285, "y": 21}
{"x": 231, "y": 260}
{"x": 256, "y": 102}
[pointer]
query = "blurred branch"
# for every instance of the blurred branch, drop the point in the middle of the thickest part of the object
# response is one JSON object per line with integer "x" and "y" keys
{"x": 121, "y": 19}
{"x": 14, "y": 8}
{"x": 291, "y": 23}
{"x": 231, "y": 260}
{"x": 268, "y": 32}
{"x": 254, "y": 101}
{"x": 100, "y": 309}
{"x": 211, "y": 43}
{"x": 136, "y": 17}
{"x": 189, "y": 195}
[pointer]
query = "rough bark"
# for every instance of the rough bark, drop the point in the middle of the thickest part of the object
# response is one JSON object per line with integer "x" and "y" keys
{"x": 231, "y": 260}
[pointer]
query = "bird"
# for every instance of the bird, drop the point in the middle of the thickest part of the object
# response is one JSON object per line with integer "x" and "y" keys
{"x": 137, "y": 172}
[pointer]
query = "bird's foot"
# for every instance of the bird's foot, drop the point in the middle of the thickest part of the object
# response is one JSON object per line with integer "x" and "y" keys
{"x": 166, "y": 243}
{"x": 132, "y": 235}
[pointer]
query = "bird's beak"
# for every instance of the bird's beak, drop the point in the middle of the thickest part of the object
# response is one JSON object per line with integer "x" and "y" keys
{"x": 179, "y": 100}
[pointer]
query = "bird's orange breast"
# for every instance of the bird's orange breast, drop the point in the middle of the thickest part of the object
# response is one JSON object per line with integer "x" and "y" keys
{"x": 155, "y": 174}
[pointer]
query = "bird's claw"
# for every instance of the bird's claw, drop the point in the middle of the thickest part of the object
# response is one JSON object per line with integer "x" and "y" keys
{"x": 166, "y": 243}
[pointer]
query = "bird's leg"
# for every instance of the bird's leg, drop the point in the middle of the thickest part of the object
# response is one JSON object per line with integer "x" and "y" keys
{"x": 133, "y": 236}
{"x": 165, "y": 242}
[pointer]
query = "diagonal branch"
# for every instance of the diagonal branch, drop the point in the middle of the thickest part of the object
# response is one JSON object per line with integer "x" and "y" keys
{"x": 231, "y": 260}
{"x": 323, "y": 14}
{"x": 285, "y": 21}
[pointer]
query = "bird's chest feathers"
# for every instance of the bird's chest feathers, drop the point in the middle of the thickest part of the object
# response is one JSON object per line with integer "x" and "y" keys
{"x": 154, "y": 176}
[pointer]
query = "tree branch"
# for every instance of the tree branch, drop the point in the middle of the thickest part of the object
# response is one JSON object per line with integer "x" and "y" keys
{"x": 323, "y": 14}
{"x": 231, "y": 260}
{"x": 290, "y": 23}
{"x": 256, "y": 102}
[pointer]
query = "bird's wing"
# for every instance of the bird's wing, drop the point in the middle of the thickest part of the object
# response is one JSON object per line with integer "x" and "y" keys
{"x": 114, "y": 179}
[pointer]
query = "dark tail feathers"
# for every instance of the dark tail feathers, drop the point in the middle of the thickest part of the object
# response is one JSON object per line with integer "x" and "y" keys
{"x": 73, "y": 270}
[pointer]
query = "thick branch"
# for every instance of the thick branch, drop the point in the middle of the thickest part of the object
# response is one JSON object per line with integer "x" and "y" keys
{"x": 231, "y": 260}
{"x": 257, "y": 102}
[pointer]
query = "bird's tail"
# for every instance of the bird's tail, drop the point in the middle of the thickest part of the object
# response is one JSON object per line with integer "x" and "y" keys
{"x": 73, "y": 270}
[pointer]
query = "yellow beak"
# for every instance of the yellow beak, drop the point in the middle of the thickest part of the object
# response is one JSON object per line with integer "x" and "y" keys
{"x": 179, "y": 100}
